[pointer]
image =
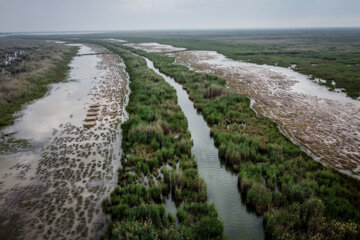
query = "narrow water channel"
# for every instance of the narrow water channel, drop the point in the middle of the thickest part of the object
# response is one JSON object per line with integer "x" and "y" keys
{"x": 221, "y": 184}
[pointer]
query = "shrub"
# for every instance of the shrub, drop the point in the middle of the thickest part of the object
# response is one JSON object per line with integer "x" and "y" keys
{"x": 213, "y": 91}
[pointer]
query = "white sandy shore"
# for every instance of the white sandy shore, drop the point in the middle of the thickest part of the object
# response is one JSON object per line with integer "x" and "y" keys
{"x": 326, "y": 124}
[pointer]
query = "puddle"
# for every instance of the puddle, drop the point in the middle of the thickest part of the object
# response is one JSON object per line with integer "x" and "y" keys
{"x": 222, "y": 188}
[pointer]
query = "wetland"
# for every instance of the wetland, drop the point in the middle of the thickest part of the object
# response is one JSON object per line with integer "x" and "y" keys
{"x": 54, "y": 185}
{"x": 149, "y": 139}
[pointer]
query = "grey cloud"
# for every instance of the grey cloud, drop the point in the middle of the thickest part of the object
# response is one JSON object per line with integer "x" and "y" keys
{"x": 50, "y": 15}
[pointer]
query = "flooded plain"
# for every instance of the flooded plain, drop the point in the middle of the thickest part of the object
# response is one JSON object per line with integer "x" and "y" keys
{"x": 222, "y": 184}
{"x": 54, "y": 173}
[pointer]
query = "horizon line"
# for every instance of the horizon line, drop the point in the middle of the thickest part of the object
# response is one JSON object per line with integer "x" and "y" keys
{"x": 177, "y": 29}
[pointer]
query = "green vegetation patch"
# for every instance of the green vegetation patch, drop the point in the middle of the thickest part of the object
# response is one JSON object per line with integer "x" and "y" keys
{"x": 156, "y": 140}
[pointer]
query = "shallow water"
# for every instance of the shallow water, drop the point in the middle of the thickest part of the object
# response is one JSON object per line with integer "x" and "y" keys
{"x": 53, "y": 186}
{"x": 300, "y": 83}
{"x": 325, "y": 124}
{"x": 63, "y": 103}
{"x": 221, "y": 184}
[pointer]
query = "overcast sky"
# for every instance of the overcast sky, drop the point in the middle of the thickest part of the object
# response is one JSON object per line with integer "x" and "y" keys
{"x": 72, "y": 15}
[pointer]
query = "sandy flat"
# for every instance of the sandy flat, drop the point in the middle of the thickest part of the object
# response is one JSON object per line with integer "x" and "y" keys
{"x": 154, "y": 47}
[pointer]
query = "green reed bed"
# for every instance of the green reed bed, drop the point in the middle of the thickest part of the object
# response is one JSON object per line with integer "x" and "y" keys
{"x": 156, "y": 140}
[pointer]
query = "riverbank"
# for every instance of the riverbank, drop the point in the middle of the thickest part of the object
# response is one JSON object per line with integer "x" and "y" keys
{"x": 24, "y": 85}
